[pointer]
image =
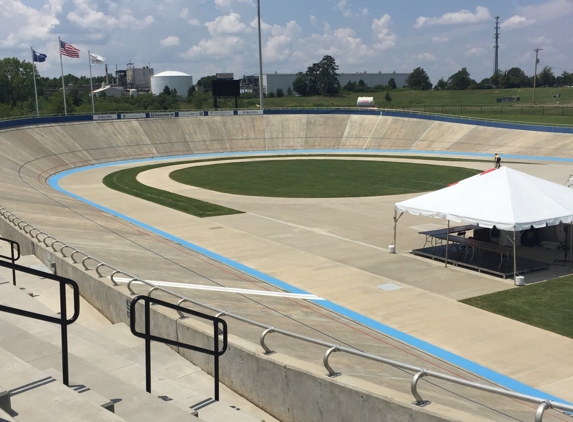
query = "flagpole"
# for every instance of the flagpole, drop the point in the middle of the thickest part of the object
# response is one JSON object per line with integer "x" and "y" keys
{"x": 91, "y": 82}
{"x": 62, "y": 67}
{"x": 35, "y": 89}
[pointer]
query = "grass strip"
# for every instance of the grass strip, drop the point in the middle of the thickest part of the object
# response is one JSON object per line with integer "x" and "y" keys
{"x": 544, "y": 305}
{"x": 126, "y": 181}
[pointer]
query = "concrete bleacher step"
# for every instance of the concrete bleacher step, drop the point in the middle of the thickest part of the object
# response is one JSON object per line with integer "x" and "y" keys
{"x": 37, "y": 397}
{"x": 113, "y": 349}
{"x": 131, "y": 403}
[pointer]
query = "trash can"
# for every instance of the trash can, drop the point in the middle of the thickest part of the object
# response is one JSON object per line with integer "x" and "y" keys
{"x": 519, "y": 280}
{"x": 392, "y": 249}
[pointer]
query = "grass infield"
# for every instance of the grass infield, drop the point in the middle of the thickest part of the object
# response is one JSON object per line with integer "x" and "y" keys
{"x": 322, "y": 178}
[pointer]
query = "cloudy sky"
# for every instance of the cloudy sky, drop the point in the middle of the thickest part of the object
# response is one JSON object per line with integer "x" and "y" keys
{"x": 202, "y": 37}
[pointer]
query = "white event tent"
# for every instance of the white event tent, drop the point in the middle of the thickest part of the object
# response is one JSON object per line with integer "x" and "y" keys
{"x": 505, "y": 198}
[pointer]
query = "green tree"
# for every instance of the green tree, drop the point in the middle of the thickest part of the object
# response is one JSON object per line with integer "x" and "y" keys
{"x": 280, "y": 93}
{"x": 199, "y": 98}
{"x": 460, "y": 80}
{"x": 441, "y": 85}
{"x": 495, "y": 79}
{"x": 567, "y": 78}
{"x": 419, "y": 79}
{"x": 546, "y": 77}
{"x": 392, "y": 83}
{"x": 300, "y": 84}
{"x": 319, "y": 79}
{"x": 350, "y": 86}
{"x": 16, "y": 81}
{"x": 387, "y": 97}
{"x": 514, "y": 78}
{"x": 206, "y": 82}
{"x": 56, "y": 103}
{"x": 328, "y": 83}
{"x": 166, "y": 90}
{"x": 289, "y": 91}
{"x": 190, "y": 92}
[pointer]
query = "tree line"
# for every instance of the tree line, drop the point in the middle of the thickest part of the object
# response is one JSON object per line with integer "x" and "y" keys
{"x": 17, "y": 88}
{"x": 512, "y": 78}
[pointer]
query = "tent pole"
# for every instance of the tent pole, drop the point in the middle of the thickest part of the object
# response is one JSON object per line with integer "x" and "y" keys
{"x": 396, "y": 218}
{"x": 447, "y": 242}
{"x": 514, "y": 258}
{"x": 570, "y": 245}
{"x": 395, "y": 224}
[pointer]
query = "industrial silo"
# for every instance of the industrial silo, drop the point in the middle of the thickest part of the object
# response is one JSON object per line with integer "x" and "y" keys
{"x": 174, "y": 80}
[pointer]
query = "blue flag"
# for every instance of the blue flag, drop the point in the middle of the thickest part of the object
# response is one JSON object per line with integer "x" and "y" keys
{"x": 39, "y": 57}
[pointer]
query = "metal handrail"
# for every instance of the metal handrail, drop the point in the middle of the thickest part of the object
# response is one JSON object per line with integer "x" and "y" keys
{"x": 544, "y": 404}
{"x": 147, "y": 336}
{"x": 12, "y": 258}
{"x": 62, "y": 320}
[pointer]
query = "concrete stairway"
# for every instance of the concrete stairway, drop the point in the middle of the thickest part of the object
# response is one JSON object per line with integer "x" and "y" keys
{"x": 106, "y": 368}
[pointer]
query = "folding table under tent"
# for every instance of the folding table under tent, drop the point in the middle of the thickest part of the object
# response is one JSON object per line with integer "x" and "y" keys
{"x": 505, "y": 198}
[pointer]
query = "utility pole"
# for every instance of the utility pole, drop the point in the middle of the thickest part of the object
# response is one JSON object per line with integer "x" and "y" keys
{"x": 537, "y": 50}
{"x": 496, "y": 47}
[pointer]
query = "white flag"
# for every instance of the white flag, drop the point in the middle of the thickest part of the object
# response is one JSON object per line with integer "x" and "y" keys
{"x": 95, "y": 59}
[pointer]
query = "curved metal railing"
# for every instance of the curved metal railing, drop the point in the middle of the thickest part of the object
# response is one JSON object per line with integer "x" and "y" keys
{"x": 97, "y": 266}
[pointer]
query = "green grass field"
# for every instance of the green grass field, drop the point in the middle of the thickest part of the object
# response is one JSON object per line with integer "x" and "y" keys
{"x": 545, "y": 305}
{"x": 470, "y": 103}
{"x": 324, "y": 178}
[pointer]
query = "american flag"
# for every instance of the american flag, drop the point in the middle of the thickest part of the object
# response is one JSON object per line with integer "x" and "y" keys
{"x": 69, "y": 50}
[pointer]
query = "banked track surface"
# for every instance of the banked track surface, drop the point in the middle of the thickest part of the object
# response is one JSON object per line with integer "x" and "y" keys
{"x": 31, "y": 155}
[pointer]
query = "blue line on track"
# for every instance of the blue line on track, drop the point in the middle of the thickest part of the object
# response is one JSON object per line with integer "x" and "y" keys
{"x": 449, "y": 357}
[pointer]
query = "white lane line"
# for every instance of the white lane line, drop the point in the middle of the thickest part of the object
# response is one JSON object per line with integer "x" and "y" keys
{"x": 306, "y": 296}
{"x": 319, "y": 232}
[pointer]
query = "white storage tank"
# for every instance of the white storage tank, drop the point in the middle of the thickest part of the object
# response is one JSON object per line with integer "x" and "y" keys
{"x": 174, "y": 80}
{"x": 133, "y": 92}
{"x": 365, "y": 102}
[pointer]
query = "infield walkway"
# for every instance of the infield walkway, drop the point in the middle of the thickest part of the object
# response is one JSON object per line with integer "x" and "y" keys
{"x": 337, "y": 249}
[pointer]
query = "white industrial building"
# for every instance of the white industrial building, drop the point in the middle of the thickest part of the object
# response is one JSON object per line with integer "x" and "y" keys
{"x": 274, "y": 81}
{"x": 174, "y": 80}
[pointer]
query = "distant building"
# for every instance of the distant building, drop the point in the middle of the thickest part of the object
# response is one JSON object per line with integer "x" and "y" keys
{"x": 274, "y": 81}
{"x": 174, "y": 80}
{"x": 139, "y": 78}
{"x": 110, "y": 91}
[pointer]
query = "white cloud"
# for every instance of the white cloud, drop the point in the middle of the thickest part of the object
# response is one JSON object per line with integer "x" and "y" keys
{"x": 194, "y": 22}
{"x": 347, "y": 11}
{"x": 541, "y": 40}
{"x": 228, "y": 4}
{"x": 86, "y": 15}
{"x": 455, "y": 18}
{"x": 169, "y": 41}
{"x": 475, "y": 52}
{"x": 550, "y": 10}
{"x": 22, "y": 24}
{"x": 227, "y": 34}
{"x": 279, "y": 45}
{"x": 440, "y": 40}
{"x": 228, "y": 24}
{"x": 313, "y": 20}
{"x": 516, "y": 22}
{"x": 427, "y": 57}
{"x": 385, "y": 39}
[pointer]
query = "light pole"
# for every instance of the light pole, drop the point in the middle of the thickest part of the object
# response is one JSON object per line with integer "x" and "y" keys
{"x": 537, "y": 50}
{"x": 261, "y": 95}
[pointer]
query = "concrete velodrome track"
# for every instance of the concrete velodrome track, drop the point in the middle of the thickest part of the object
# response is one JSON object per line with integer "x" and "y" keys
{"x": 335, "y": 249}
